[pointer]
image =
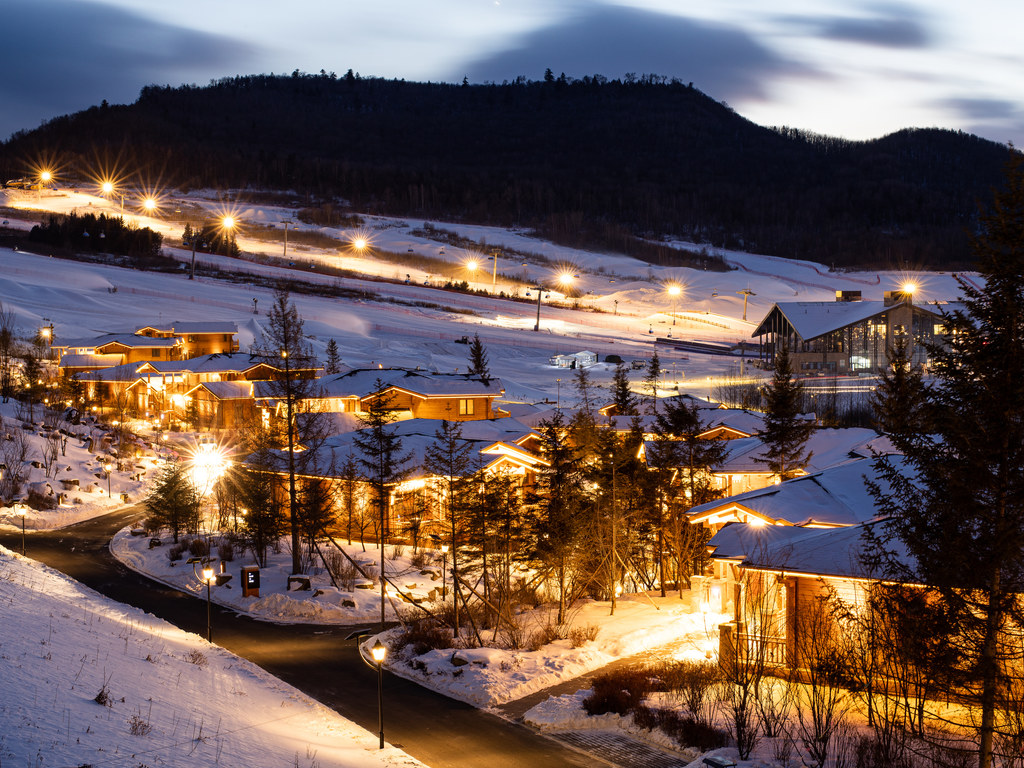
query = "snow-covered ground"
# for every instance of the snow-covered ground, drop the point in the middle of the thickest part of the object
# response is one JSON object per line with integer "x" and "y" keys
{"x": 402, "y": 324}
{"x": 169, "y": 698}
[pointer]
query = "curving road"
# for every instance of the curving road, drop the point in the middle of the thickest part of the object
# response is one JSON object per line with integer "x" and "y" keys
{"x": 435, "y": 729}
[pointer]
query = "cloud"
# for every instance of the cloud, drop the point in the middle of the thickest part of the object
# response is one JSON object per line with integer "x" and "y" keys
{"x": 723, "y": 61}
{"x": 982, "y": 109}
{"x": 60, "y": 56}
{"x": 890, "y": 26}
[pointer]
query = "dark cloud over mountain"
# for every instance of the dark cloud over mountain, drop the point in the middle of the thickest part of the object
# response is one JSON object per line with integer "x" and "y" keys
{"x": 889, "y": 26}
{"x": 723, "y": 61}
{"x": 61, "y": 56}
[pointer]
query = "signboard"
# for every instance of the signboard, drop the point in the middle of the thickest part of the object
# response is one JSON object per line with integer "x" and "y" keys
{"x": 250, "y": 581}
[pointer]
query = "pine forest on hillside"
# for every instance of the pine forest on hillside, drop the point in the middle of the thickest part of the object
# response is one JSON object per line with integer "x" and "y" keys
{"x": 595, "y": 163}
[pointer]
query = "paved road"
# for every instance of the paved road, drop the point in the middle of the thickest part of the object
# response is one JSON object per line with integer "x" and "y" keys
{"x": 441, "y": 732}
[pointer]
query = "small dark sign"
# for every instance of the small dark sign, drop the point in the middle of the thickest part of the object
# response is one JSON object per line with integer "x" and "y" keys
{"x": 252, "y": 578}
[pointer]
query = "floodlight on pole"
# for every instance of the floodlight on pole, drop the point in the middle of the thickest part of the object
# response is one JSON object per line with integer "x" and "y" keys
{"x": 674, "y": 291}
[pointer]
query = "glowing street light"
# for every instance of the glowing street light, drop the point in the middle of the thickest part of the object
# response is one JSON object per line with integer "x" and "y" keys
{"x": 227, "y": 224}
{"x": 207, "y": 464}
{"x": 674, "y": 291}
{"x": 471, "y": 267}
{"x": 909, "y": 288}
{"x": 379, "y": 651}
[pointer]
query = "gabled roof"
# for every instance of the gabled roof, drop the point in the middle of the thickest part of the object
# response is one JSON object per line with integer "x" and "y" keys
{"x": 837, "y": 496}
{"x": 495, "y": 442}
{"x": 828, "y": 448}
{"x": 362, "y": 383}
{"x": 125, "y": 373}
{"x": 131, "y": 341}
{"x": 811, "y": 319}
{"x": 89, "y": 361}
{"x": 226, "y": 390}
{"x": 221, "y": 362}
{"x": 179, "y": 327}
{"x": 811, "y": 551}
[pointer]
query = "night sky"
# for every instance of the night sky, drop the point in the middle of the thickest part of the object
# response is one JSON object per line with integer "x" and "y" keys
{"x": 858, "y": 70}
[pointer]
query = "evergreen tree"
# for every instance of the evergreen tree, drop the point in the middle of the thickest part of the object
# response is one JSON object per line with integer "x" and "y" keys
{"x": 333, "y": 364}
{"x": 622, "y": 395}
{"x": 454, "y": 461}
{"x": 383, "y": 464}
{"x": 557, "y": 525}
{"x": 898, "y": 402}
{"x": 958, "y": 506}
{"x": 478, "y": 359}
{"x": 685, "y": 461}
{"x": 284, "y": 346}
{"x": 651, "y": 379}
{"x": 785, "y": 433}
{"x": 259, "y": 494}
{"x": 173, "y": 502}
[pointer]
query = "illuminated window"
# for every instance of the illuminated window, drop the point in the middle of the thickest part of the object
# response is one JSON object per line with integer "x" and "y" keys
{"x": 466, "y": 408}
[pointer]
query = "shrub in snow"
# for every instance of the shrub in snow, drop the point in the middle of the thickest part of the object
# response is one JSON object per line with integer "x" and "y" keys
{"x": 226, "y": 551}
{"x": 578, "y": 636}
{"x": 199, "y": 548}
{"x": 619, "y": 691}
{"x": 422, "y": 635}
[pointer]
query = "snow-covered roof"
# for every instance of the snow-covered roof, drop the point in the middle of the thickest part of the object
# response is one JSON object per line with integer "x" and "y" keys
{"x": 118, "y": 373}
{"x": 837, "y": 496}
{"x": 418, "y": 435}
{"x": 811, "y": 319}
{"x": 89, "y": 361}
{"x": 362, "y": 382}
{"x": 132, "y": 341}
{"x": 221, "y": 362}
{"x": 828, "y": 448}
{"x": 227, "y": 390}
{"x": 178, "y": 327}
{"x": 815, "y": 551}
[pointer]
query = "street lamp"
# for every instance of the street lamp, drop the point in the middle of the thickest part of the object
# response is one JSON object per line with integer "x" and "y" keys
{"x": 226, "y": 225}
{"x": 494, "y": 275}
{"x": 208, "y": 578}
{"x": 471, "y": 266}
{"x": 674, "y": 291}
{"x": 20, "y": 509}
{"x": 565, "y": 280}
{"x": 379, "y": 652}
{"x": 444, "y": 571}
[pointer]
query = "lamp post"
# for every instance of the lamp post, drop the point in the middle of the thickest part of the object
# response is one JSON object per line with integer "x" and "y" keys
{"x": 379, "y": 652}
{"x": 494, "y": 275}
{"x": 444, "y": 572}
{"x": 22, "y": 512}
{"x": 208, "y": 578}
{"x": 471, "y": 266}
{"x": 226, "y": 225}
{"x": 674, "y": 291}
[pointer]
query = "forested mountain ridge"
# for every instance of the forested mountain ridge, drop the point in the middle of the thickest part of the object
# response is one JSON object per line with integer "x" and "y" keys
{"x": 591, "y": 162}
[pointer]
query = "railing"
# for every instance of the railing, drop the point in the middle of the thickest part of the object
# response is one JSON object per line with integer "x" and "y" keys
{"x": 772, "y": 650}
